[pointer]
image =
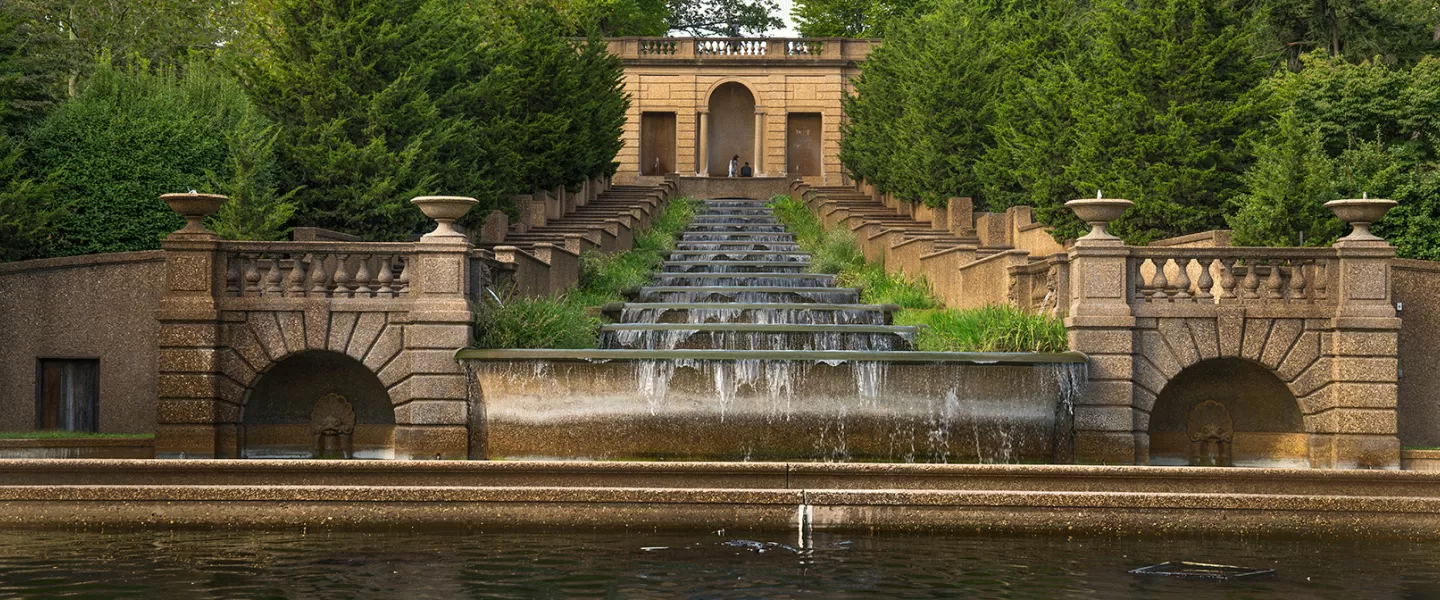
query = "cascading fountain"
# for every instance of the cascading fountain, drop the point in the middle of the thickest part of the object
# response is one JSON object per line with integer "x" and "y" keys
{"x": 737, "y": 352}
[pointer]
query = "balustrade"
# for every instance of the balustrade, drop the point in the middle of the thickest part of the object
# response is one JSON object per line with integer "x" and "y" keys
{"x": 663, "y": 47}
{"x": 731, "y": 47}
{"x": 316, "y": 269}
{"x": 1232, "y": 275}
{"x": 802, "y": 47}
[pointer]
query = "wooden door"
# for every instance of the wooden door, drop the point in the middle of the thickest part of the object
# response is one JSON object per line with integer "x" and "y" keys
{"x": 657, "y": 143}
{"x": 802, "y": 147}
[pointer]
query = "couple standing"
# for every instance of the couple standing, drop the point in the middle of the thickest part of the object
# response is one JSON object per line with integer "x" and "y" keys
{"x": 736, "y": 169}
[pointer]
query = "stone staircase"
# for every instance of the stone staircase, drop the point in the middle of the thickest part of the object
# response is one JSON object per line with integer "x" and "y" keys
{"x": 738, "y": 281}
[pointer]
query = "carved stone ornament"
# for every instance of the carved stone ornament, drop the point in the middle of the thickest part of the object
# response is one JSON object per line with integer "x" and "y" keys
{"x": 1212, "y": 435}
{"x": 332, "y": 422}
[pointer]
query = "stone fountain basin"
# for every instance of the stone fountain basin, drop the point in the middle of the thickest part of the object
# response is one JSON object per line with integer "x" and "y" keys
{"x": 773, "y": 405}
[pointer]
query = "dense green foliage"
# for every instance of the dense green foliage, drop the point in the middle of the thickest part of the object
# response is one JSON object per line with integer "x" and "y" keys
{"x": 132, "y": 135}
{"x": 989, "y": 329}
{"x": 1199, "y": 111}
{"x": 853, "y": 18}
{"x": 333, "y": 113}
{"x": 569, "y": 321}
{"x": 383, "y": 100}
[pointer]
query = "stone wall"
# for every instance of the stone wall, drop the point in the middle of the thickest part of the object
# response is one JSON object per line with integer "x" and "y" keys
{"x": 1416, "y": 286}
{"x": 99, "y": 306}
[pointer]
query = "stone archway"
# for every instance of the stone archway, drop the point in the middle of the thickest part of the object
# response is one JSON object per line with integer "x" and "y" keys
{"x": 317, "y": 400}
{"x": 731, "y": 127}
{"x": 1227, "y": 411}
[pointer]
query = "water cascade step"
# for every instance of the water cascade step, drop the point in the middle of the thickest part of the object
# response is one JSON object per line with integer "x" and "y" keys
{"x": 737, "y": 351}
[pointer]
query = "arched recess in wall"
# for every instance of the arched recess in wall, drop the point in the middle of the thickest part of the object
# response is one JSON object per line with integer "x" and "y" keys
{"x": 731, "y": 127}
{"x": 1227, "y": 411}
{"x": 302, "y": 406}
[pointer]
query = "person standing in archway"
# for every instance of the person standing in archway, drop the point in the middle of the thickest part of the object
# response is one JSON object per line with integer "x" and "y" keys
{"x": 734, "y": 165}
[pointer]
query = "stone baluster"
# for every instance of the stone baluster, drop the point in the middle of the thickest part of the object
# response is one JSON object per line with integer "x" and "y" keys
{"x": 1274, "y": 285}
{"x": 252, "y": 274}
{"x": 319, "y": 276}
{"x": 1159, "y": 283}
{"x": 403, "y": 283}
{"x": 295, "y": 281}
{"x": 1182, "y": 279}
{"x": 362, "y": 279}
{"x": 1251, "y": 282}
{"x": 273, "y": 278}
{"x": 233, "y": 284}
{"x": 1321, "y": 275}
{"x": 1297, "y": 280}
{"x": 342, "y": 276}
{"x": 1227, "y": 279}
{"x": 1206, "y": 282}
{"x": 385, "y": 278}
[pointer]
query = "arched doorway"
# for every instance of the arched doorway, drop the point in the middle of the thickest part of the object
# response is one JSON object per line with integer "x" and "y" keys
{"x": 1227, "y": 411}
{"x": 732, "y": 127}
{"x": 318, "y": 403}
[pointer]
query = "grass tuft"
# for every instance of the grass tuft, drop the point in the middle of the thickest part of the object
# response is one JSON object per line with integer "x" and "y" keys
{"x": 570, "y": 321}
{"x": 987, "y": 329}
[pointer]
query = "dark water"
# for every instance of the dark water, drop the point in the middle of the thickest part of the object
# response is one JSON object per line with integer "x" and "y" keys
{"x": 664, "y": 565}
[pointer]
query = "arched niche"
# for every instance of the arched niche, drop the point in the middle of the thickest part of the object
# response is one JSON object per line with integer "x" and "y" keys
{"x": 1227, "y": 410}
{"x": 280, "y": 416}
{"x": 732, "y": 127}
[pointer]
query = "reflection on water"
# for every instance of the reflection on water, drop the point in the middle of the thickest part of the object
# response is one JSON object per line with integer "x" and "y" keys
{"x": 668, "y": 565}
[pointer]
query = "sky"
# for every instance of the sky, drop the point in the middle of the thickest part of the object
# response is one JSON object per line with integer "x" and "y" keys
{"x": 789, "y": 30}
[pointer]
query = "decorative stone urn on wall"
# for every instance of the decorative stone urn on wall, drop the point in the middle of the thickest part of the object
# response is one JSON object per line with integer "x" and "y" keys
{"x": 194, "y": 207}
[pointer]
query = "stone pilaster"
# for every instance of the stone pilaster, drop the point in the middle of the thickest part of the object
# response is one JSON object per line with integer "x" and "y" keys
{"x": 1356, "y": 426}
{"x": 196, "y": 411}
{"x": 1101, "y": 324}
{"x": 431, "y": 410}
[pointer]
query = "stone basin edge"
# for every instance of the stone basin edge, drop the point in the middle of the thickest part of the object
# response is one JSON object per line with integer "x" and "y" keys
{"x": 903, "y": 356}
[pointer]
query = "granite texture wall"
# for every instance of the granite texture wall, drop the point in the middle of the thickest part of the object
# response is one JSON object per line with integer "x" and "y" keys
{"x": 98, "y": 306}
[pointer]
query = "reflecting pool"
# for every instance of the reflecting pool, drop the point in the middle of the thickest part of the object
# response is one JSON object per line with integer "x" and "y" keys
{"x": 188, "y": 564}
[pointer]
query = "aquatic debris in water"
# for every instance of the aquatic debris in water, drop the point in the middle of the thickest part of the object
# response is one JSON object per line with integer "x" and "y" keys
{"x": 1181, "y": 568}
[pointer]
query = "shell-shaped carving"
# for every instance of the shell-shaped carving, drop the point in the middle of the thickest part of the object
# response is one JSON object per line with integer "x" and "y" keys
{"x": 1210, "y": 420}
{"x": 332, "y": 415}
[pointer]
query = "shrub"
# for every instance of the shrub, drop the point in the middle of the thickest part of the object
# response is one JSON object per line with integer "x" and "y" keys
{"x": 133, "y": 135}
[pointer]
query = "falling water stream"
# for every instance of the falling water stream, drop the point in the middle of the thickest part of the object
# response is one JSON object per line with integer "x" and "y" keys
{"x": 737, "y": 282}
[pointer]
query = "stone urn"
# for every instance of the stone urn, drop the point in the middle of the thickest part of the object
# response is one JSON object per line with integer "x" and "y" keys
{"x": 194, "y": 207}
{"x": 1360, "y": 214}
{"x": 445, "y": 210}
{"x": 1099, "y": 212}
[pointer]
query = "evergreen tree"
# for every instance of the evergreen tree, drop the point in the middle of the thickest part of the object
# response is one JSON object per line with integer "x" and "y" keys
{"x": 1284, "y": 204}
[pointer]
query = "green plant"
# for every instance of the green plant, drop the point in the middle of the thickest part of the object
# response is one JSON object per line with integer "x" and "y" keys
{"x": 569, "y": 321}
{"x": 987, "y": 329}
{"x": 134, "y": 134}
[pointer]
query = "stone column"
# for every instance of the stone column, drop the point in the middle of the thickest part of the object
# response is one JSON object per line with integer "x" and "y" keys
{"x": 197, "y": 411}
{"x": 704, "y": 150}
{"x": 431, "y": 406}
{"x": 1356, "y": 428}
{"x": 759, "y": 144}
{"x": 1101, "y": 325}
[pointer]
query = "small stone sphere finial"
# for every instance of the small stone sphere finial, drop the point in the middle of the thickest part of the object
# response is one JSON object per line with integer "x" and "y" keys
{"x": 1361, "y": 213}
{"x": 445, "y": 210}
{"x": 1099, "y": 212}
{"x": 194, "y": 207}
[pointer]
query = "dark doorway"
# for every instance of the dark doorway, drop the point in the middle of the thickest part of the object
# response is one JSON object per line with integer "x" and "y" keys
{"x": 802, "y": 147}
{"x": 732, "y": 127}
{"x": 657, "y": 143}
{"x": 68, "y": 398}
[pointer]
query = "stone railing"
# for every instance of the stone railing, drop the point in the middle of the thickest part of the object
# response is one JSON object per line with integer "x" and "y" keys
{"x": 316, "y": 269}
{"x": 1232, "y": 275}
{"x": 667, "y": 48}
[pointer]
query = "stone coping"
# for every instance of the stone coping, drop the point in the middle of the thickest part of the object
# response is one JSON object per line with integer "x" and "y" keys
{"x": 1045, "y": 499}
{"x": 77, "y": 442}
{"x": 82, "y": 260}
{"x": 975, "y": 358}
